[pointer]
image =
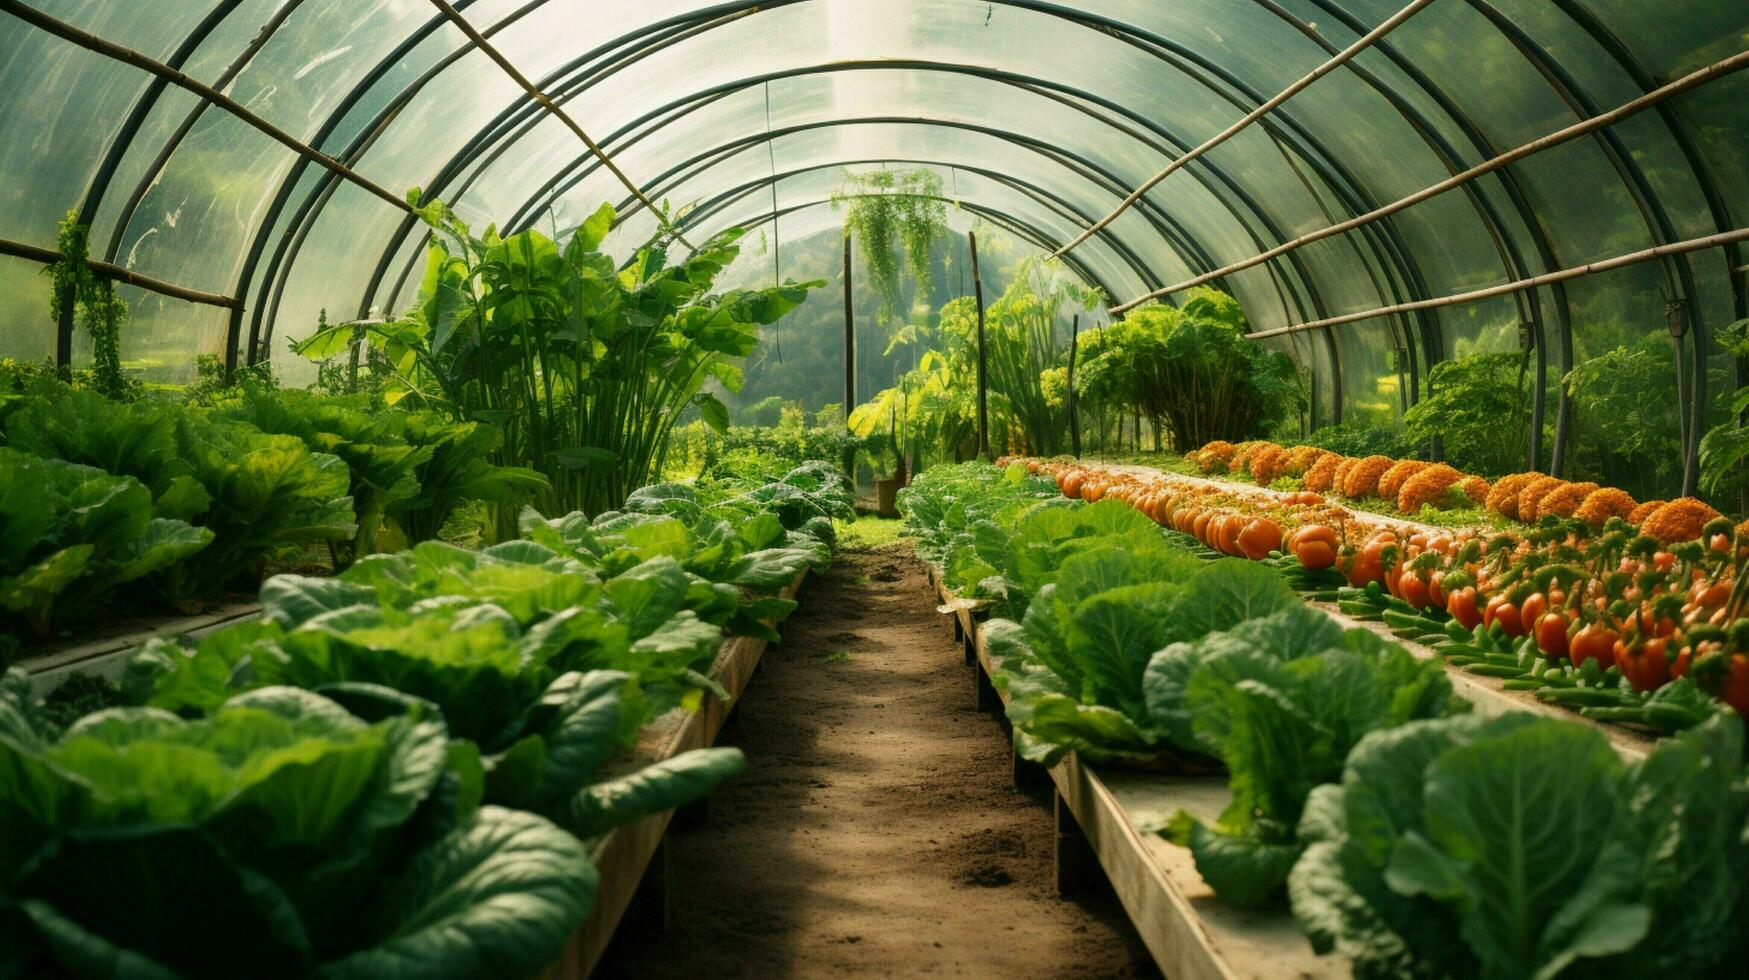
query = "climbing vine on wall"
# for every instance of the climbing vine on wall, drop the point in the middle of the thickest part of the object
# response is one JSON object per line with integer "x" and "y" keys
{"x": 101, "y": 312}
{"x": 889, "y": 214}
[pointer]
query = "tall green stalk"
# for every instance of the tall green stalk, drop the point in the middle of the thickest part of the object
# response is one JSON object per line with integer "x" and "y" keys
{"x": 585, "y": 366}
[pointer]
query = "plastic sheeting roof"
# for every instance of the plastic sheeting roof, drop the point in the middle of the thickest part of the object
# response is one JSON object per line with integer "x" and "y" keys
{"x": 1039, "y": 116}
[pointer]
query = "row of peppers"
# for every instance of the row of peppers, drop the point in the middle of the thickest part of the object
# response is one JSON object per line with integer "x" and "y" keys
{"x": 1603, "y": 619}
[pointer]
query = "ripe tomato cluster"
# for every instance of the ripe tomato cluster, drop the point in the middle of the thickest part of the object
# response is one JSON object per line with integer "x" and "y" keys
{"x": 1653, "y": 610}
{"x": 1244, "y": 527}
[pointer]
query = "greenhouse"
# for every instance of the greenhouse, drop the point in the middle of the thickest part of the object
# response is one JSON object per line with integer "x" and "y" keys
{"x": 874, "y": 488}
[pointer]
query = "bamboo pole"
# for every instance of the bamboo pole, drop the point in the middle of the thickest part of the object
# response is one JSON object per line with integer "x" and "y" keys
{"x": 983, "y": 390}
{"x": 110, "y": 270}
{"x": 849, "y": 337}
{"x": 1548, "y": 278}
{"x": 553, "y": 109}
{"x": 1074, "y": 421}
{"x": 1335, "y": 61}
{"x": 1694, "y": 79}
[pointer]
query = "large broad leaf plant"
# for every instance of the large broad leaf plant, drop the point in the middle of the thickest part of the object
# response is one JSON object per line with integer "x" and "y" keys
{"x": 279, "y": 836}
{"x": 586, "y": 365}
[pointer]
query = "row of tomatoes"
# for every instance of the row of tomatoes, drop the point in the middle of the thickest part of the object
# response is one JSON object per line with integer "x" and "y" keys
{"x": 1654, "y": 619}
{"x": 1241, "y": 532}
{"x": 1659, "y": 629}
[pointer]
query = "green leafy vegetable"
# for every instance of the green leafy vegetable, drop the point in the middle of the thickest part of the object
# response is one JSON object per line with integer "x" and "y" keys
{"x": 280, "y": 836}
{"x": 1524, "y": 846}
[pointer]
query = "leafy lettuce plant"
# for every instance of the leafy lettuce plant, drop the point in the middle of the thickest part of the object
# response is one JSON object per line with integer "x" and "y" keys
{"x": 70, "y": 534}
{"x": 1521, "y": 846}
{"x": 543, "y": 730}
{"x": 944, "y": 503}
{"x": 1074, "y": 667}
{"x": 260, "y": 495}
{"x": 1280, "y": 700}
{"x": 382, "y": 468}
{"x": 458, "y": 469}
{"x": 279, "y": 836}
{"x": 409, "y": 470}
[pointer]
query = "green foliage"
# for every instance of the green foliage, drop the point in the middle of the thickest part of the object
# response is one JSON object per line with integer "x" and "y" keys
{"x": 1361, "y": 439}
{"x": 259, "y": 495}
{"x": 1479, "y": 408}
{"x": 931, "y": 413}
{"x": 1191, "y": 371}
{"x": 70, "y": 535}
{"x": 794, "y": 438}
{"x": 1281, "y": 700}
{"x": 1521, "y": 846}
{"x": 295, "y": 838}
{"x": 547, "y": 654}
{"x": 1022, "y": 345}
{"x": 584, "y": 367}
{"x": 1724, "y": 450}
{"x": 1627, "y": 416}
{"x": 764, "y": 413}
{"x": 409, "y": 469}
{"x": 74, "y": 283}
{"x": 889, "y": 214}
{"x": 212, "y": 388}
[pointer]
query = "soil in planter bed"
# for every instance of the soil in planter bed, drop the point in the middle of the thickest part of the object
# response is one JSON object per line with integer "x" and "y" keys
{"x": 876, "y": 831}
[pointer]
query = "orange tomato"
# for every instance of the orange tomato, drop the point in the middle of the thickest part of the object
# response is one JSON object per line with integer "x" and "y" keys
{"x": 1258, "y": 538}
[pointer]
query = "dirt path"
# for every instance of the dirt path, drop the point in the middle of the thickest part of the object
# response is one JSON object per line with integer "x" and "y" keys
{"x": 876, "y": 831}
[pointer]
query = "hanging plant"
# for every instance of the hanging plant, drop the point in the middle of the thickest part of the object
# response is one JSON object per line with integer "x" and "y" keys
{"x": 101, "y": 312}
{"x": 890, "y": 213}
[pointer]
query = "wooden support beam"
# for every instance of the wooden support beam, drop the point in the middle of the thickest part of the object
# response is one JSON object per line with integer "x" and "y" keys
{"x": 1531, "y": 282}
{"x": 849, "y": 336}
{"x": 1694, "y": 79}
{"x": 1334, "y": 62}
{"x": 1074, "y": 414}
{"x": 110, "y": 49}
{"x": 109, "y": 270}
{"x": 983, "y": 361}
{"x": 553, "y": 109}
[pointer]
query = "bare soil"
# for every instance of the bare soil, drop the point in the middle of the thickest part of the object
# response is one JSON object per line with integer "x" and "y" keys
{"x": 876, "y": 832}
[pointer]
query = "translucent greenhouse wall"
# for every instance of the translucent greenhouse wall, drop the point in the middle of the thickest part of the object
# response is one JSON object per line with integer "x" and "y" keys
{"x": 1039, "y": 116}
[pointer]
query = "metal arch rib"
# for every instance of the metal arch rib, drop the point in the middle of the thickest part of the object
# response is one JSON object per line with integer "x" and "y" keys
{"x": 994, "y": 74}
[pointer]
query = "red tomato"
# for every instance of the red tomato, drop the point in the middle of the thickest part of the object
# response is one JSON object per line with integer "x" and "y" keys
{"x": 1736, "y": 692}
{"x": 1501, "y": 610}
{"x": 1361, "y": 567}
{"x": 1461, "y": 603}
{"x": 1551, "y": 635}
{"x": 1533, "y": 607}
{"x": 1644, "y": 663}
{"x": 1594, "y": 642}
{"x": 1412, "y": 588}
{"x": 1314, "y": 545}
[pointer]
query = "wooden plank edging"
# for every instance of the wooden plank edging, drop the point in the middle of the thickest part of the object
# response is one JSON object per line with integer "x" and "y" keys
{"x": 107, "y": 655}
{"x": 623, "y": 853}
{"x": 1189, "y": 932}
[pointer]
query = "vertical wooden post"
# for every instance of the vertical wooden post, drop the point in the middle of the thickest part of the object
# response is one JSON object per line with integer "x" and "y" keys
{"x": 849, "y": 338}
{"x": 1074, "y": 419}
{"x": 983, "y": 391}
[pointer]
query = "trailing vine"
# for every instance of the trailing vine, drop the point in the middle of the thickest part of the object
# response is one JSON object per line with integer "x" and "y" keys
{"x": 101, "y": 312}
{"x": 887, "y": 207}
